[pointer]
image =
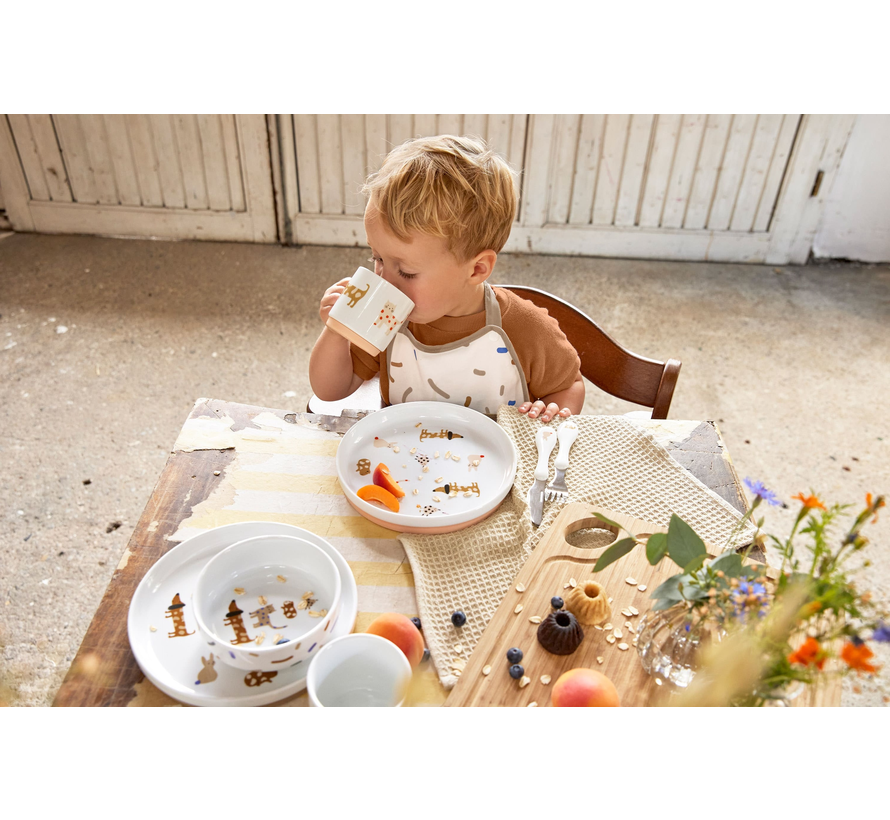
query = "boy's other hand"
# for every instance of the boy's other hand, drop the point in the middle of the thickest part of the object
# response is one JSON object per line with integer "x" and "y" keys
{"x": 331, "y": 295}
{"x": 545, "y": 411}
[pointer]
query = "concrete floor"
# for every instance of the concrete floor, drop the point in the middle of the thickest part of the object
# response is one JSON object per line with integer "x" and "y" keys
{"x": 106, "y": 343}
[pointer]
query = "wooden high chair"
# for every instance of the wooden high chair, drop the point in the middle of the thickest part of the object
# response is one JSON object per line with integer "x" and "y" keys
{"x": 609, "y": 366}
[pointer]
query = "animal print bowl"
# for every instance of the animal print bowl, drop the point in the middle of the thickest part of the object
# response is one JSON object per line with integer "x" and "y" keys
{"x": 455, "y": 465}
{"x": 267, "y": 602}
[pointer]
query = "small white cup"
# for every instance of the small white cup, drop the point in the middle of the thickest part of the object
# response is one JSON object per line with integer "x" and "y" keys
{"x": 358, "y": 670}
{"x": 369, "y": 312}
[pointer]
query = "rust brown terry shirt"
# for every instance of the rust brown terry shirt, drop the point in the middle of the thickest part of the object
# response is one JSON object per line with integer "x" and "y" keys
{"x": 549, "y": 362}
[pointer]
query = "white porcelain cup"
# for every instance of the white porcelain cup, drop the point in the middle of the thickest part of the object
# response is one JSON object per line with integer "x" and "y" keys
{"x": 369, "y": 312}
{"x": 358, "y": 670}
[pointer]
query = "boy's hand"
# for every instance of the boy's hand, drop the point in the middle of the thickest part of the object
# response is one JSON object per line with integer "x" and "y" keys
{"x": 545, "y": 411}
{"x": 331, "y": 295}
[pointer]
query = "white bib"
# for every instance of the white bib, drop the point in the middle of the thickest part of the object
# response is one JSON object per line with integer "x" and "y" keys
{"x": 480, "y": 371}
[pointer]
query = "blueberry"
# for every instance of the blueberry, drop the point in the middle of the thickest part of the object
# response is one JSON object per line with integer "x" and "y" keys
{"x": 416, "y": 622}
{"x": 426, "y": 655}
{"x": 514, "y": 655}
{"x": 556, "y": 602}
{"x": 458, "y": 618}
{"x": 516, "y": 671}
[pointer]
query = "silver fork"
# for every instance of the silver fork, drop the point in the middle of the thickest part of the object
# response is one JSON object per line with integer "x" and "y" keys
{"x": 566, "y": 434}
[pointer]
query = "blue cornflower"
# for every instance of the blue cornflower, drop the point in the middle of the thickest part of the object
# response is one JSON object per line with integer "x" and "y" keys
{"x": 762, "y": 492}
{"x": 882, "y": 633}
{"x": 742, "y": 603}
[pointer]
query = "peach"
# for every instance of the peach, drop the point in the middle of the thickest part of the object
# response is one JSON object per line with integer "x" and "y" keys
{"x": 584, "y": 687}
{"x": 383, "y": 478}
{"x": 402, "y": 632}
{"x": 371, "y": 492}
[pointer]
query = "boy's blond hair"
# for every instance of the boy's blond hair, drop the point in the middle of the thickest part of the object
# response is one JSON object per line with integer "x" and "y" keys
{"x": 453, "y": 187}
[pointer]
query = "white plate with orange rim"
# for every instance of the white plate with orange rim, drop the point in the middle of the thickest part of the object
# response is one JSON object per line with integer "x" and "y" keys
{"x": 454, "y": 464}
{"x": 168, "y": 647}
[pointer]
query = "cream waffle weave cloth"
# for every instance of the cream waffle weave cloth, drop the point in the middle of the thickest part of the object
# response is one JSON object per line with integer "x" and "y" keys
{"x": 612, "y": 463}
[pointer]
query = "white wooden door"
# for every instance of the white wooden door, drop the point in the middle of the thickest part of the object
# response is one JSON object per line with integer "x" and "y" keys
{"x": 325, "y": 158}
{"x": 732, "y": 188}
{"x": 180, "y": 176}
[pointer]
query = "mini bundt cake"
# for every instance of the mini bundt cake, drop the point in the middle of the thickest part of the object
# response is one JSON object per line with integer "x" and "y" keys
{"x": 589, "y": 604}
{"x": 560, "y": 633}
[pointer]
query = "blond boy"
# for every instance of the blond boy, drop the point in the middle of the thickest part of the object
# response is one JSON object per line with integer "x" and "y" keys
{"x": 439, "y": 211}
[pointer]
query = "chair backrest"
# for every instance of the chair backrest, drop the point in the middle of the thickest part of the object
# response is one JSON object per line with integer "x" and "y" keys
{"x": 606, "y": 363}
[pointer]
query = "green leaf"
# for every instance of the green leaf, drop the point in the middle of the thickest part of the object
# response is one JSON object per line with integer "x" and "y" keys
{"x": 670, "y": 589}
{"x": 608, "y": 521}
{"x": 729, "y": 562}
{"x": 618, "y": 550}
{"x": 683, "y": 545}
{"x": 695, "y": 564}
{"x": 656, "y": 547}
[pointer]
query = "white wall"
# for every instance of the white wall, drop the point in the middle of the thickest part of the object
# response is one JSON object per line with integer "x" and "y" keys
{"x": 856, "y": 220}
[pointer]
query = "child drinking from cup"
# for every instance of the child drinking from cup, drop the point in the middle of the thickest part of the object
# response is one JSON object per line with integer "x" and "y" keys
{"x": 439, "y": 211}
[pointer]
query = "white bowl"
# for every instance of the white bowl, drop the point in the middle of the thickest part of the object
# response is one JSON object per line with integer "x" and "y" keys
{"x": 483, "y": 472}
{"x": 258, "y": 587}
{"x": 359, "y": 670}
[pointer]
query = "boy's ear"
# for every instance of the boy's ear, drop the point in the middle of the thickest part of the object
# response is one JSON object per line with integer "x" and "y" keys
{"x": 483, "y": 265}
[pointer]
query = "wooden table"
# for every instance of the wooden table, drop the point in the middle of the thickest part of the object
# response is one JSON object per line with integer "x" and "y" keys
{"x": 105, "y": 672}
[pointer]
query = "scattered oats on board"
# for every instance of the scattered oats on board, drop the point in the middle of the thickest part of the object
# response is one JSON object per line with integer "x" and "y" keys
{"x": 281, "y": 579}
{"x": 520, "y": 587}
{"x": 631, "y": 581}
{"x": 629, "y": 625}
{"x": 545, "y": 679}
{"x": 518, "y": 609}
{"x": 599, "y": 659}
{"x": 610, "y": 600}
{"x": 216, "y": 472}
{"x": 535, "y": 619}
{"x": 618, "y": 633}
{"x": 607, "y": 627}
{"x": 641, "y": 587}
{"x": 610, "y": 639}
{"x": 573, "y": 583}
{"x": 622, "y": 646}
{"x": 239, "y": 590}
{"x": 598, "y": 627}
{"x": 524, "y": 681}
{"x": 565, "y": 586}
{"x": 533, "y": 703}
{"x": 634, "y": 610}
{"x": 459, "y": 664}
{"x": 486, "y": 669}
{"x": 261, "y": 599}
{"x": 626, "y": 612}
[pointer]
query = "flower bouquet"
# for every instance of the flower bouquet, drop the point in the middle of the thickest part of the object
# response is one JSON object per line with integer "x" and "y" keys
{"x": 777, "y": 630}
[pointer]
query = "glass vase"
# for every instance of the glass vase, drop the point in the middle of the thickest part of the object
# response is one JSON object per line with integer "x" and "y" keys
{"x": 670, "y": 642}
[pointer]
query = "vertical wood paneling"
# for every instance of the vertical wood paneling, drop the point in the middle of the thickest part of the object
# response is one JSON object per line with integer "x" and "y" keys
{"x": 214, "y": 154}
{"x": 172, "y": 188}
{"x": 145, "y": 160}
{"x": 449, "y": 124}
{"x": 330, "y": 163}
{"x": 784, "y": 143}
{"x": 630, "y": 190}
{"x": 253, "y": 137}
{"x": 753, "y": 181}
{"x": 54, "y": 173}
{"x": 706, "y": 170}
{"x": 516, "y": 151}
{"x": 305, "y": 135}
{"x": 424, "y": 125}
{"x": 476, "y": 125}
{"x": 611, "y": 163}
{"x": 731, "y": 171}
{"x": 122, "y": 159}
{"x": 352, "y": 129}
{"x": 682, "y": 170}
{"x": 234, "y": 164}
{"x": 565, "y": 135}
{"x": 289, "y": 182}
{"x": 93, "y": 126}
{"x": 590, "y": 146}
{"x": 401, "y": 128}
{"x": 537, "y": 170}
{"x": 658, "y": 173}
{"x": 191, "y": 153}
{"x": 29, "y": 156}
{"x": 76, "y": 158}
{"x": 376, "y": 145}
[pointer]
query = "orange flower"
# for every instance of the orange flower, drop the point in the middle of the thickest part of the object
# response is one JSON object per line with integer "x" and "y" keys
{"x": 809, "y": 653}
{"x": 857, "y": 657}
{"x": 811, "y": 502}
{"x": 877, "y": 505}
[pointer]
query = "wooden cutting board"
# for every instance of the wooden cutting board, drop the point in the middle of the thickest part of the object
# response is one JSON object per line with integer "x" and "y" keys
{"x": 550, "y": 567}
